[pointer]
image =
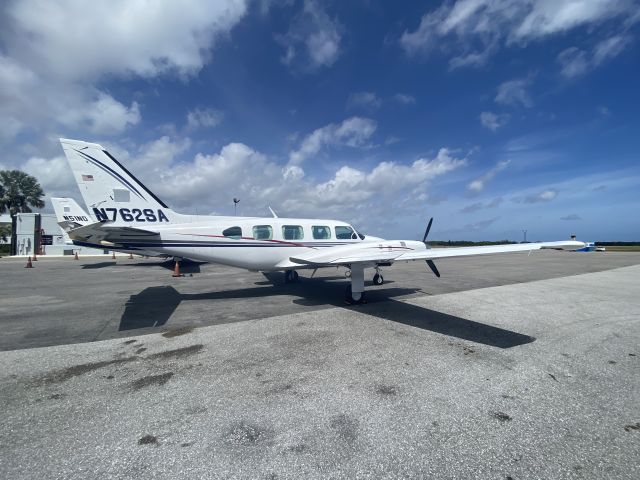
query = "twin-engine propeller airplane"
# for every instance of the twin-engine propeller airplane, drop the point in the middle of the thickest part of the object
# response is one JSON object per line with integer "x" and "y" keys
{"x": 130, "y": 217}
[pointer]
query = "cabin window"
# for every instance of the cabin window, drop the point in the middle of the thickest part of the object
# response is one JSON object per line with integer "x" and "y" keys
{"x": 345, "y": 233}
{"x": 292, "y": 232}
{"x": 321, "y": 232}
{"x": 233, "y": 232}
{"x": 263, "y": 232}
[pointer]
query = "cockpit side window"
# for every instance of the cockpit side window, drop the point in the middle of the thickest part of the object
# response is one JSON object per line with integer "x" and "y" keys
{"x": 233, "y": 232}
{"x": 345, "y": 233}
{"x": 321, "y": 232}
{"x": 263, "y": 232}
{"x": 292, "y": 232}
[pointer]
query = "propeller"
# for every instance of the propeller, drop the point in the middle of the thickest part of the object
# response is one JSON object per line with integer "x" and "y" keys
{"x": 433, "y": 268}
{"x": 426, "y": 233}
{"x": 432, "y": 265}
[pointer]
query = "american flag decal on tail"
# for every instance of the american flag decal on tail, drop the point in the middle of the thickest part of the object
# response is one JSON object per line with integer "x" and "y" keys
{"x": 87, "y": 178}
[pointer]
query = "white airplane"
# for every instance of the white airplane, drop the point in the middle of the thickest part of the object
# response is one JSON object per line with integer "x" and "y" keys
{"x": 130, "y": 216}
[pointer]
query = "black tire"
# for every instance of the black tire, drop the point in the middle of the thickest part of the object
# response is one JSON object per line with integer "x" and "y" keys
{"x": 290, "y": 276}
{"x": 378, "y": 279}
{"x": 348, "y": 297}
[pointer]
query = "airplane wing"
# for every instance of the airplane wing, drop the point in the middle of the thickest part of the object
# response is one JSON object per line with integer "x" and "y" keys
{"x": 398, "y": 251}
{"x": 433, "y": 253}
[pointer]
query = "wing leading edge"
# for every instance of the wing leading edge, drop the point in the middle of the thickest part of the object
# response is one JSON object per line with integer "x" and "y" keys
{"x": 433, "y": 253}
{"x": 399, "y": 251}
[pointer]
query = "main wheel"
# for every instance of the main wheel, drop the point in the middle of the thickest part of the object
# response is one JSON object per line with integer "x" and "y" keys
{"x": 378, "y": 279}
{"x": 353, "y": 298}
{"x": 290, "y": 276}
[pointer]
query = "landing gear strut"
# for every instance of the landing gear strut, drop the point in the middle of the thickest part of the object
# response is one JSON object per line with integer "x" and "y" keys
{"x": 290, "y": 276}
{"x": 354, "y": 294}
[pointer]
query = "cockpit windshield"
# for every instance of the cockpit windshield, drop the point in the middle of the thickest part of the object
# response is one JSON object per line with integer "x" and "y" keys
{"x": 345, "y": 232}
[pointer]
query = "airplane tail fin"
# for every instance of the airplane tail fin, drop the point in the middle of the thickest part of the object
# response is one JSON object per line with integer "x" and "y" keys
{"x": 110, "y": 191}
{"x": 69, "y": 214}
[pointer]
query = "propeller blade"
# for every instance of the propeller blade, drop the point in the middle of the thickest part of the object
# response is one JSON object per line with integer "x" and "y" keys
{"x": 424, "y": 239}
{"x": 433, "y": 268}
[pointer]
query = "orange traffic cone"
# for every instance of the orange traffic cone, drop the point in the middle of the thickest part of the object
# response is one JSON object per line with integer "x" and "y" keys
{"x": 35, "y": 259}
{"x": 176, "y": 270}
{"x": 131, "y": 256}
{"x": 113, "y": 255}
{"x": 29, "y": 264}
{"x": 75, "y": 256}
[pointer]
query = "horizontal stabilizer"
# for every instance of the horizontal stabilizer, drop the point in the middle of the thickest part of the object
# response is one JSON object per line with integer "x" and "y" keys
{"x": 102, "y": 232}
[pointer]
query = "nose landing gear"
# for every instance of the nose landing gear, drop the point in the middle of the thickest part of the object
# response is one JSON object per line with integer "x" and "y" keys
{"x": 378, "y": 279}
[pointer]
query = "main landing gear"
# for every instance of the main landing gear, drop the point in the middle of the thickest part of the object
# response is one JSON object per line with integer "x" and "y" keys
{"x": 290, "y": 276}
{"x": 354, "y": 293}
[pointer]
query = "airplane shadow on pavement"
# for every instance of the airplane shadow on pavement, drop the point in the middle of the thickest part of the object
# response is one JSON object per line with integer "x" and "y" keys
{"x": 153, "y": 307}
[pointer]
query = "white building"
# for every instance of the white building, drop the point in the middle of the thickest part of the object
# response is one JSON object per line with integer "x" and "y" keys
{"x": 40, "y": 233}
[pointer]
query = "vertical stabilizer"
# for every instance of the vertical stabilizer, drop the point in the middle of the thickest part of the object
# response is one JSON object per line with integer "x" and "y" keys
{"x": 69, "y": 214}
{"x": 110, "y": 191}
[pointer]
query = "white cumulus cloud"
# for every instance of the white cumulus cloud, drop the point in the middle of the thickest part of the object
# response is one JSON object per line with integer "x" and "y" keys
{"x": 404, "y": 99}
{"x": 514, "y": 92}
{"x": 364, "y": 100}
{"x": 471, "y": 31}
{"x": 544, "y": 196}
{"x": 313, "y": 39}
{"x": 352, "y": 132}
{"x": 493, "y": 121}
{"x": 203, "y": 118}
{"x": 477, "y": 185}
{"x": 575, "y": 61}
{"x": 55, "y": 55}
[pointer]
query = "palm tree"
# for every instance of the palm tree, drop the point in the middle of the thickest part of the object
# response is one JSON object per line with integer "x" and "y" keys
{"x": 19, "y": 192}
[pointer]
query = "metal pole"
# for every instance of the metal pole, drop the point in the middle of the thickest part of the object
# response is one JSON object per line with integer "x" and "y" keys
{"x": 525, "y": 235}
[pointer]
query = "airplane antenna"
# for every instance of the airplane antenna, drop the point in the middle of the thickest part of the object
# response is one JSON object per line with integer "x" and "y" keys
{"x": 235, "y": 205}
{"x": 272, "y": 212}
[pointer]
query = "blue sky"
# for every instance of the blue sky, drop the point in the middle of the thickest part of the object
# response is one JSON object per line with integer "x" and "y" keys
{"x": 492, "y": 117}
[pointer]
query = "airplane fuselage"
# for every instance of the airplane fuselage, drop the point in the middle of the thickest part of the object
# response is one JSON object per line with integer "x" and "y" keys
{"x": 252, "y": 243}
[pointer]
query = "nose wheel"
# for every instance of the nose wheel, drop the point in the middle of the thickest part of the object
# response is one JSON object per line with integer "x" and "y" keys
{"x": 378, "y": 279}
